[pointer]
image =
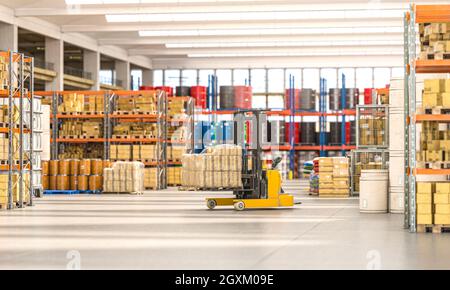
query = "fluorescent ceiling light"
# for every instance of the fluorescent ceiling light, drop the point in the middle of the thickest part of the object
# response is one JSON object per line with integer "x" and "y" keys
{"x": 283, "y": 44}
{"x": 99, "y": 2}
{"x": 255, "y": 15}
{"x": 283, "y": 54}
{"x": 270, "y": 31}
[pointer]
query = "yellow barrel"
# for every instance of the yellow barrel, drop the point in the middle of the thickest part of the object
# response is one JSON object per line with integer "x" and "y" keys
{"x": 74, "y": 167}
{"x": 95, "y": 182}
{"x": 83, "y": 182}
{"x": 54, "y": 170}
{"x": 96, "y": 167}
{"x": 62, "y": 182}
{"x": 85, "y": 167}
{"x": 64, "y": 167}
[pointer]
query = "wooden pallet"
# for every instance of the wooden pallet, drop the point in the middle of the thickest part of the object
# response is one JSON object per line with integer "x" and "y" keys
{"x": 121, "y": 137}
{"x": 122, "y": 113}
{"x": 15, "y": 162}
{"x": 433, "y": 165}
{"x": 436, "y": 56}
{"x": 93, "y": 113}
{"x": 144, "y": 113}
{"x": 435, "y": 229}
{"x": 88, "y": 137}
{"x": 436, "y": 111}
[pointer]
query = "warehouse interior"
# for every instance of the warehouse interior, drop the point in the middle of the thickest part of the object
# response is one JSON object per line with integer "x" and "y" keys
{"x": 221, "y": 135}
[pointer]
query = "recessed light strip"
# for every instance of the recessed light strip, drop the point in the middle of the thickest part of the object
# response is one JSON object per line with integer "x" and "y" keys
{"x": 270, "y": 31}
{"x": 255, "y": 15}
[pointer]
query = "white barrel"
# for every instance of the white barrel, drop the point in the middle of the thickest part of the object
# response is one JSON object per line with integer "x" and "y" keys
{"x": 373, "y": 194}
{"x": 396, "y": 129}
{"x": 396, "y": 168}
{"x": 397, "y": 200}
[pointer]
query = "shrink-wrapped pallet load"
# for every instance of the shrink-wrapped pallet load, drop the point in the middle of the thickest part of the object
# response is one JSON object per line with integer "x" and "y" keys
{"x": 218, "y": 167}
{"x": 124, "y": 177}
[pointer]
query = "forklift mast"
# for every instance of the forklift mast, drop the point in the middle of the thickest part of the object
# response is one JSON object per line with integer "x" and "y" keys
{"x": 254, "y": 179}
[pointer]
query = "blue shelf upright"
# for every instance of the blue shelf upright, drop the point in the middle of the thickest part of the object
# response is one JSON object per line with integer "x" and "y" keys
{"x": 292, "y": 125}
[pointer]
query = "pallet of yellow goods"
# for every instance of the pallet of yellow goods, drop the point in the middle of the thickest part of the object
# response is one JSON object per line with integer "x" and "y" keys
{"x": 151, "y": 178}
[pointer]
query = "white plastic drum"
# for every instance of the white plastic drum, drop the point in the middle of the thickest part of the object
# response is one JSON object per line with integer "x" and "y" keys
{"x": 397, "y": 200}
{"x": 396, "y": 129}
{"x": 373, "y": 195}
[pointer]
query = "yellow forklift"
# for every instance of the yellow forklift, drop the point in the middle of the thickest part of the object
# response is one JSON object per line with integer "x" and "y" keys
{"x": 261, "y": 187}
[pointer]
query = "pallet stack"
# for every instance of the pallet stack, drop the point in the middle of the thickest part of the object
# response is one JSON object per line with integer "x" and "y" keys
{"x": 334, "y": 177}
{"x": 219, "y": 168}
{"x": 433, "y": 206}
{"x": 434, "y": 41}
{"x": 124, "y": 177}
{"x": 174, "y": 176}
{"x": 81, "y": 129}
{"x": 95, "y": 104}
{"x": 141, "y": 130}
{"x": 84, "y": 175}
{"x": 72, "y": 103}
{"x": 4, "y": 75}
{"x": 15, "y": 190}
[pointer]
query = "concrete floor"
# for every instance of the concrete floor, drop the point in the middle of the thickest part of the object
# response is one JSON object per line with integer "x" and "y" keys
{"x": 173, "y": 230}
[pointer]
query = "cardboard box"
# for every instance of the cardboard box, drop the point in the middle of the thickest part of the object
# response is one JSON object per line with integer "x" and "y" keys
{"x": 443, "y": 187}
{"x": 426, "y": 188}
{"x": 424, "y": 219}
{"x": 434, "y": 85}
{"x": 424, "y": 208}
{"x": 441, "y": 219}
{"x": 424, "y": 198}
{"x": 442, "y": 208}
{"x": 440, "y": 198}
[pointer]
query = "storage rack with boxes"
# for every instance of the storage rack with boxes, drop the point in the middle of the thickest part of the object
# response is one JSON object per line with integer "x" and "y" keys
{"x": 139, "y": 132}
{"x": 123, "y": 126}
{"x": 18, "y": 156}
{"x": 427, "y": 187}
{"x": 180, "y": 135}
{"x": 79, "y": 124}
{"x": 366, "y": 159}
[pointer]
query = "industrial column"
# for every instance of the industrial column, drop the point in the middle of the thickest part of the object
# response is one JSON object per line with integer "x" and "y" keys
{"x": 54, "y": 53}
{"x": 123, "y": 73}
{"x": 8, "y": 37}
{"x": 91, "y": 63}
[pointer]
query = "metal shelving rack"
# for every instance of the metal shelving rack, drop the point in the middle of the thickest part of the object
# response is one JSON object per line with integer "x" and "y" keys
{"x": 416, "y": 15}
{"x": 160, "y": 118}
{"x": 19, "y": 95}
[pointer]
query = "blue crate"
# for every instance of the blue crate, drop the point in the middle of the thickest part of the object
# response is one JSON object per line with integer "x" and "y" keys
{"x": 69, "y": 192}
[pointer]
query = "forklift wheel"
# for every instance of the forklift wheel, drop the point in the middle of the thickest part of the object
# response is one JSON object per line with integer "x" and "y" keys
{"x": 211, "y": 204}
{"x": 239, "y": 206}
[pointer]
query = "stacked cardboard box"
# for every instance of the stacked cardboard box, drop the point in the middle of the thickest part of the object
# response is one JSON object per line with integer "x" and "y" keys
{"x": 434, "y": 41}
{"x": 16, "y": 197}
{"x": 4, "y": 74}
{"x": 425, "y": 191}
{"x": 334, "y": 176}
{"x": 120, "y": 152}
{"x": 78, "y": 128}
{"x": 219, "y": 167}
{"x": 149, "y": 130}
{"x": 436, "y": 93}
{"x": 434, "y": 143}
{"x": 95, "y": 103}
{"x": 176, "y": 107}
{"x": 72, "y": 103}
{"x": 146, "y": 103}
{"x": 144, "y": 152}
{"x": 82, "y": 151}
{"x": 124, "y": 177}
{"x": 151, "y": 178}
{"x": 174, "y": 176}
{"x": 442, "y": 204}
{"x": 175, "y": 153}
{"x": 125, "y": 104}
{"x": 372, "y": 131}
